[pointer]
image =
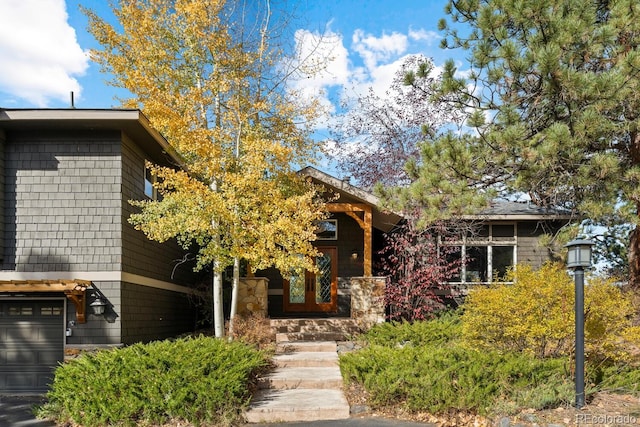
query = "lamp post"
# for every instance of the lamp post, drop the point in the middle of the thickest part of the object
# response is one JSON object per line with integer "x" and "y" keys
{"x": 579, "y": 258}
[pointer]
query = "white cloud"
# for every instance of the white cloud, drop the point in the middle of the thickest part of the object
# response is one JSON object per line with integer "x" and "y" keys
{"x": 39, "y": 53}
{"x": 333, "y": 72}
{"x": 376, "y": 49}
{"x": 322, "y": 58}
{"x": 424, "y": 35}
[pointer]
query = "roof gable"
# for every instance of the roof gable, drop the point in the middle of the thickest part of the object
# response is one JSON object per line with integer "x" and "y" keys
{"x": 382, "y": 219}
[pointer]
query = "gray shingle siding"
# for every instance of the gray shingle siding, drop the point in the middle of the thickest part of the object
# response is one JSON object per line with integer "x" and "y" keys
{"x": 150, "y": 314}
{"x": 529, "y": 249}
{"x": 2, "y": 192}
{"x": 62, "y": 200}
{"x": 140, "y": 255}
{"x": 97, "y": 330}
{"x": 65, "y": 207}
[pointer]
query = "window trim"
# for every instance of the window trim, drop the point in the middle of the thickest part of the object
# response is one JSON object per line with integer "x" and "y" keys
{"x": 489, "y": 242}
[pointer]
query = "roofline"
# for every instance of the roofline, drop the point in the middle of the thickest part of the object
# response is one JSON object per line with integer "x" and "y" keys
{"x": 513, "y": 217}
{"x": 340, "y": 184}
{"x": 17, "y": 115}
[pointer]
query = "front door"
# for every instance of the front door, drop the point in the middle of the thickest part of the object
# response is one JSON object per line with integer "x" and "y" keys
{"x": 314, "y": 292}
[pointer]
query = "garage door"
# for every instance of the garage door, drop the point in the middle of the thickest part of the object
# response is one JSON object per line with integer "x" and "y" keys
{"x": 31, "y": 344}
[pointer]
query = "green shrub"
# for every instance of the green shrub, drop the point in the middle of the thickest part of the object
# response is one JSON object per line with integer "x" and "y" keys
{"x": 199, "y": 380}
{"x": 439, "y": 378}
{"x": 618, "y": 378}
{"x": 425, "y": 366}
{"x": 535, "y": 314}
{"x": 438, "y": 331}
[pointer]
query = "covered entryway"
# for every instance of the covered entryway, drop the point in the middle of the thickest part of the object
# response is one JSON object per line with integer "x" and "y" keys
{"x": 32, "y": 336}
{"x": 314, "y": 292}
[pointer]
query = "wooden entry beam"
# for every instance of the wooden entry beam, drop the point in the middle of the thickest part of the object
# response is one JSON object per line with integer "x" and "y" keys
{"x": 365, "y": 223}
{"x": 74, "y": 290}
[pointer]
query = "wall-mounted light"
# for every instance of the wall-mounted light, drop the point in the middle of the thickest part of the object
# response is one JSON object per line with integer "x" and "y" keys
{"x": 354, "y": 254}
{"x": 98, "y": 306}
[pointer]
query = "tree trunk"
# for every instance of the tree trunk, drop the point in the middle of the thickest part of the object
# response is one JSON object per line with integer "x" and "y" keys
{"x": 634, "y": 260}
{"x": 634, "y": 237}
{"x": 234, "y": 296}
{"x": 218, "y": 307}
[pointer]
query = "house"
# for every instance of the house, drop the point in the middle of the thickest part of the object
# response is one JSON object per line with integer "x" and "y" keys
{"x": 505, "y": 234}
{"x": 348, "y": 240}
{"x": 66, "y": 247}
{"x": 75, "y": 275}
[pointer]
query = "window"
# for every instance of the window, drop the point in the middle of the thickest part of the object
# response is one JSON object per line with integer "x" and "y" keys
{"x": 50, "y": 311}
{"x": 149, "y": 190}
{"x": 21, "y": 311}
{"x": 327, "y": 229}
{"x": 486, "y": 255}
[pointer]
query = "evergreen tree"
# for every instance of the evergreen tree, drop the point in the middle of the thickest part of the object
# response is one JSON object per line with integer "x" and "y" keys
{"x": 553, "y": 104}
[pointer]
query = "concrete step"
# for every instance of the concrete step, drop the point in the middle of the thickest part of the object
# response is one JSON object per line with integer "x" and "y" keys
{"x": 311, "y": 336}
{"x": 306, "y": 377}
{"x": 346, "y": 326}
{"x": 297, "y": 405}
{"x": 307, "y": 359}
{"x": 287, "y": 347}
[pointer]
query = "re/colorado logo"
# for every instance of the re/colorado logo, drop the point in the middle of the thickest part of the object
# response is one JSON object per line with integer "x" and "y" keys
{"x": 607, "y": 419}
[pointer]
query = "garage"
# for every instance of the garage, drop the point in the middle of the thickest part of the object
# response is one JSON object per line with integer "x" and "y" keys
{"x": 31, "y": 343}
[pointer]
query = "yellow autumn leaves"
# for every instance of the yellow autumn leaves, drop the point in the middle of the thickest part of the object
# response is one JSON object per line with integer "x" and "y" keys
{"x": 533, "y": 311}
{"x": 206, "y": 74}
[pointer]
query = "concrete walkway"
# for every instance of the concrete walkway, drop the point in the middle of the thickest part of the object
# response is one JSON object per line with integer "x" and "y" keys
{"x": 351, "y": 422}
{"x": 17, "y": 411}
{"x": 305, "y": 386}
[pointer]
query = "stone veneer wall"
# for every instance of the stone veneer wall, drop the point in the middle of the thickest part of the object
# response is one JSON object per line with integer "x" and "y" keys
{"x": 253, "y": 296}
{"x": 367, "y": 300}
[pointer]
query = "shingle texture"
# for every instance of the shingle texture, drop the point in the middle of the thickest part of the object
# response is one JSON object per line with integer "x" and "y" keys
{"x": 62, "y": 202}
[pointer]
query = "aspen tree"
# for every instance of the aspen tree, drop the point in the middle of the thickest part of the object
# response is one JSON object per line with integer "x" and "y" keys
{"x": 207, "y": 74}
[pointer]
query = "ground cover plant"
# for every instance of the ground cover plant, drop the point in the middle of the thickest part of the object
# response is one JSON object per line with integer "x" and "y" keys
{"x": 427, "y": 366}
{"x": 200, "y": 380}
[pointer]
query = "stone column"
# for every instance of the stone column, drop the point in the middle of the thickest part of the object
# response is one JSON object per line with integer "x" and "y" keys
{"x": 367, "y": 300}
{"x": 253, "y": 296}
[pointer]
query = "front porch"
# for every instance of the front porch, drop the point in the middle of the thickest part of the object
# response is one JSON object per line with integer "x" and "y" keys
{"x": 362, "y": 301}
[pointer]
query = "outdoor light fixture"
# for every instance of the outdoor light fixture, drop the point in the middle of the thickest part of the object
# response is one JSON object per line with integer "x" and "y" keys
{"x": 579, "y": 258}
{"x": 97, "y": 306}
{"x": 579, "y": 254}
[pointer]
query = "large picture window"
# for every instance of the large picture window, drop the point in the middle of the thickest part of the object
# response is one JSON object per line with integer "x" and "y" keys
{"x": 486, "y": 255}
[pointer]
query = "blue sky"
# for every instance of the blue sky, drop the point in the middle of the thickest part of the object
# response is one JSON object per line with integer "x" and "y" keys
{"x": 44, "y": 50}
{"x": 44, "y": 44}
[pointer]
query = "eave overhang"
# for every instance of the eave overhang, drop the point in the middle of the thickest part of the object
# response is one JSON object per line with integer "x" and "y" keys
{"x": 382, "y": 219}
{"x": 74, "y": 290}
{"x": 130, "y": 121}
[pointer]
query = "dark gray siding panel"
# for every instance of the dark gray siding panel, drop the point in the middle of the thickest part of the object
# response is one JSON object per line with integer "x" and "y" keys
{"x": 2, "y": 192}
{"x": 99, "y": 330}
{"x": 151, "y": 314}
{"x": 140, "y": 255}
{"x": 529, "y": 250}
{"x": 62, "y": 201}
